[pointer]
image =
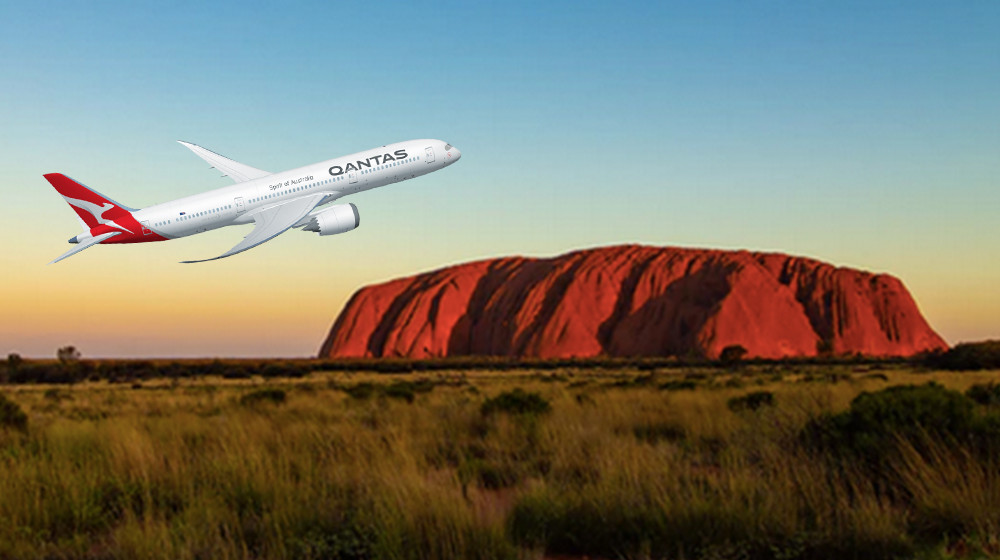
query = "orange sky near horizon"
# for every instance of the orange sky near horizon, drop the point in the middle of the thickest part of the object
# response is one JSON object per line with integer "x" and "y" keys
{"x": 254, "y": 310}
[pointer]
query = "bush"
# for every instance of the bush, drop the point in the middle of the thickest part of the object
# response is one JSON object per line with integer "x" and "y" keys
{"x": 280, "y": 369}
{"x": 967, "y": 356}
{"x": 657, "y": 432}
{"x": 488, "y": 474}
{"x": 985, "y": 394}
{"x": 875, "y": 422}
{"x": 273, "y": 396}
{"x": 361, "y": 391}
{"x": 400, "y": 390}
{"x": 517, "y": 402}
{"x": 732, "y": 355}
{"x": 751, "y": 401}
{"x": 407, "y": 390}
{"x": 11, "y": 415}
{"x": 236, "y": 372}
{"x": 678, "y": 385}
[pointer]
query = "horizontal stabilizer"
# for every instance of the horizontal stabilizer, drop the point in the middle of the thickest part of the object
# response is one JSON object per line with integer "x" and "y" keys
{"x": 235, "y": 170}
{"x": 86, "y": 243}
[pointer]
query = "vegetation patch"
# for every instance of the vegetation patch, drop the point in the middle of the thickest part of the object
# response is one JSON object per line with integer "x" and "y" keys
{"x": 751, "y": 401}
{"x": 264, "y": 396}
{"x": 967, "y": 356}
{"x": 191, "y": 470}
{"x": 361, "y": 391}
{"x": 732, "y": 355}
{"x": 635, "y": 382}
{"x": 877, "y": 422}
{"x": 11, "y": 415}
{"x": 987, "y": 394}
{"x": 679, "y": 385}
{"x": 661, "y": 431}
{"x": 517, "y": 402}
{"x": 407, "y": 390}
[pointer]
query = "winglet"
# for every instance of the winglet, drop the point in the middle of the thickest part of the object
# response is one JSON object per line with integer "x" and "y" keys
{"x": 235, "y": 170}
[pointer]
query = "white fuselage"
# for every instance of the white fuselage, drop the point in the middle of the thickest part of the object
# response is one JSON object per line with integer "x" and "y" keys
{"x": 335, "y": 178}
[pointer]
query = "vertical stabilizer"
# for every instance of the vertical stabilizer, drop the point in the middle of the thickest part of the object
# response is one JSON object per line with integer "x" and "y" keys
{"x": 93, "y": 208}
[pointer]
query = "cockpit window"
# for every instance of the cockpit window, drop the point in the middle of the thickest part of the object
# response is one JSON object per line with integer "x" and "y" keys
{"x": 447, "y": 146}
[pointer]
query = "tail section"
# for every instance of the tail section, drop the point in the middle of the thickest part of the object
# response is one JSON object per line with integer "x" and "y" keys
{"x": 104, "y": 220}
{"x": 93, "y": 208}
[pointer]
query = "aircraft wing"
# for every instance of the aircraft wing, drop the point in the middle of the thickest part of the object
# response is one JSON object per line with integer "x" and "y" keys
{"x": 272, "y": 222}
{"x": 83, "y": 245}
{"x": 235, "y": 170}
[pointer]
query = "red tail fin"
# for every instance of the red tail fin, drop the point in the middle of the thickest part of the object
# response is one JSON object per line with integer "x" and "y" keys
{"x": 93, "y": 208}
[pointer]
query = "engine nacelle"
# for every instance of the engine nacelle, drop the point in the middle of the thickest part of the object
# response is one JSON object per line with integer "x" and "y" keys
{"x": 336, "y": 219}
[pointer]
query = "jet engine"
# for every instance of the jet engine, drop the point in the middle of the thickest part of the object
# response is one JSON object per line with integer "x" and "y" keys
{"x": 336, "y": 219}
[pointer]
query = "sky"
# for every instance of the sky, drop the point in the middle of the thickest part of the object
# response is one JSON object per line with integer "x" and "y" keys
{"x": 865, "y": 134}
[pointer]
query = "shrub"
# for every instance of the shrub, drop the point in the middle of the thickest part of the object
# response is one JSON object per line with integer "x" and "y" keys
{"x": 361, "y": 391}
{"x": 732, "y": 355}
{"x": 640, "y": 381}
{"x": 236, "y": 372}
{"x": 279, "y": 369}
{"x": 271, "y": 395}
{"x": 50, "y": 373}
{"x": 517, "y": 402}
{"x": 987, "y": 394}
{"x": 751, "y": 401}
{"x": 967, "y": 356}
{"x": 487, "y": 474}
{"x": 678, "y": 385}
{"x": 11, "y": 415}
{"x": 657, "y": 432}
{"x": 407, "y": 390}
{"x": 400, "y": 390}
{"x": 873, "y": 424}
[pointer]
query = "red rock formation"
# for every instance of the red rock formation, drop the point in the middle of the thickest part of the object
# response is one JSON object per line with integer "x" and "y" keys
{"x": 634, "y": 301}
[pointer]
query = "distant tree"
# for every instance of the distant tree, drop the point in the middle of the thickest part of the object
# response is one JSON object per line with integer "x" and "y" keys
{"x": 68, "y": 355}
{"x": 13, "y": 362}
{"x": 967, "y": 356}
{"x": 824, "y": 347}
{"x": 732, "y": 355}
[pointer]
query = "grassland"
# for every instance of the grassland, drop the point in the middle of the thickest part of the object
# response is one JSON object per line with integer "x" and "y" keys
{"x": 618, "y": 463}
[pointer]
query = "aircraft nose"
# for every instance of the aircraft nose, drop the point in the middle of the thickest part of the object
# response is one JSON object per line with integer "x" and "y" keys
{"x": 456, "y": 154}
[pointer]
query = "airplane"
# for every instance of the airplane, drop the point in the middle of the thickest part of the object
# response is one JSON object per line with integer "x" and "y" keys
{"x": 273, "y": 202}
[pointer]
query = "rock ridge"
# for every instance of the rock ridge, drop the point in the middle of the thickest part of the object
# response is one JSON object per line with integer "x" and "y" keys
{"x": 634, "y": 300}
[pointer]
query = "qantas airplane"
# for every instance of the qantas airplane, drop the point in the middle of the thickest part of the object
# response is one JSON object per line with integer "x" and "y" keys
{"x": 273, "y": 202}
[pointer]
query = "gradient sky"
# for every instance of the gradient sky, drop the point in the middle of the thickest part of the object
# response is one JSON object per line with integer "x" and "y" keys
{"x": 866, "y": 134}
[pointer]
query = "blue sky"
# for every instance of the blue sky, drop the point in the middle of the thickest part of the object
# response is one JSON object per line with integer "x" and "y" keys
{"x": 865, "y": 134}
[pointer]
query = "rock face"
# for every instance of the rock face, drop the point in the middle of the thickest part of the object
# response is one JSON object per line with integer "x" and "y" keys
{"x": 634, "y": 301}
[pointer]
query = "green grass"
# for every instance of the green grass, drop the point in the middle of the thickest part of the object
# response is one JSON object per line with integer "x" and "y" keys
{"x": 624, "y": 462}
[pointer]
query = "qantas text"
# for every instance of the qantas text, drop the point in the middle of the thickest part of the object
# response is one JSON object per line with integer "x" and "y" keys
{"x": 379, "y": 160}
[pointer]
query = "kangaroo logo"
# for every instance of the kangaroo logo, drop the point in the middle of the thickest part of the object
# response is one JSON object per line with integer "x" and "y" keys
{"x": 97, "y": 212}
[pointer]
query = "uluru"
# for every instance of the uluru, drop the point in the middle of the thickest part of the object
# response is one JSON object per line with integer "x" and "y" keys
{"x": 634, "y": 300}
